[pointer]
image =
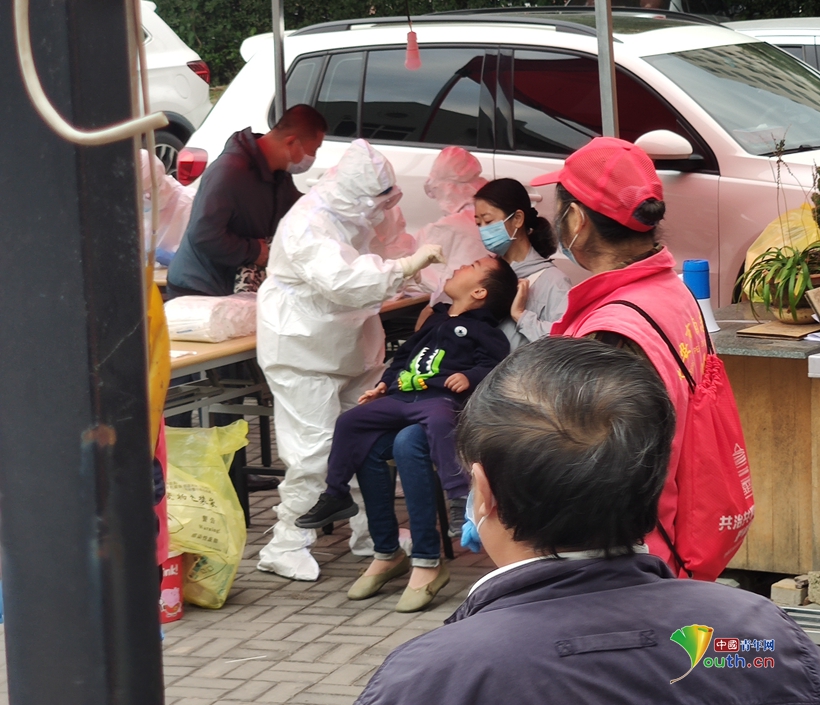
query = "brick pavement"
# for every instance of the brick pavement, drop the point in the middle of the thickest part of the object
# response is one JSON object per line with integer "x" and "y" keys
{"x": 281, "y": 641}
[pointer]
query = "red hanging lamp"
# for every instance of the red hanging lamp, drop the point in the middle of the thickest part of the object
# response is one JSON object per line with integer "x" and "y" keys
{"x": 412, "y": 58}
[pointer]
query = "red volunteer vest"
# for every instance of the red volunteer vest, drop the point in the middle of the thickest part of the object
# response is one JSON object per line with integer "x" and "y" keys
{"x": 653, "y": 285}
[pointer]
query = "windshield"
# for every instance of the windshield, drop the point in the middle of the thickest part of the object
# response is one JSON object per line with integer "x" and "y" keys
{"x": 763, "y": 97}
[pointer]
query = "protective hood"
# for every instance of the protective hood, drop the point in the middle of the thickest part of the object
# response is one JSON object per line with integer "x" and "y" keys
{"x": 174, "y": 201}
{"x": 165, "y": 188}
{"x": 454, "y": 179}
{"x": 354, "y": 188}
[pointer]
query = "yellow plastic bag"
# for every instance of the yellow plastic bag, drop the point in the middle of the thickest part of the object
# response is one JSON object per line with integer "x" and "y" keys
{"x": 795, "y": 228}
{"x": 204, "y": 515}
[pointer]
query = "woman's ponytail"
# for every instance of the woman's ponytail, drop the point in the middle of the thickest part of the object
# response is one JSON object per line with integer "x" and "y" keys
{"x": 542, "y": 238}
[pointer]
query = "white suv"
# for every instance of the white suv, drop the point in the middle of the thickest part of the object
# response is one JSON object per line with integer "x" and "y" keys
{"x": 177, "y": 85}
{"x": 520, "y": 90}
{"x": 797, "y": 35}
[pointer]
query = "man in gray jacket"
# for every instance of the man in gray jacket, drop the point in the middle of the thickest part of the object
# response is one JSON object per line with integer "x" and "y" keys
{"x": 568, "y": 442}
{"x": 243, "y": 196}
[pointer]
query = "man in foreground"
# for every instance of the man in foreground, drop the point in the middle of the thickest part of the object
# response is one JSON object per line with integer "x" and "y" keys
{"x": 573, "y": 438}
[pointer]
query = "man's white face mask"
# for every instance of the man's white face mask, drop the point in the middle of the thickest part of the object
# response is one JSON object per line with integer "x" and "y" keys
{"x": 303, "y": 165}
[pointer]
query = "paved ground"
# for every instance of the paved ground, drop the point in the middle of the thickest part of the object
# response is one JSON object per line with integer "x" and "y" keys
{"x": 280, "y": 641}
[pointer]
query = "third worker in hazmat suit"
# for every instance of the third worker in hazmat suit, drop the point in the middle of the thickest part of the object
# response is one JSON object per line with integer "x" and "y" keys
{"x": 453, "y": 182}
{"x": 319, "y": 338}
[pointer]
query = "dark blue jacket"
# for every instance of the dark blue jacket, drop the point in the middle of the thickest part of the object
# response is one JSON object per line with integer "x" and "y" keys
{"x": 598, "y": 631}
{"x": 469, "y": 343}
{"x": 239, "y": 203}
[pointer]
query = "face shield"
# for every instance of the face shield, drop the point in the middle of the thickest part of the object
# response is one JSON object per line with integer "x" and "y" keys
{"x": 373, "y": 207}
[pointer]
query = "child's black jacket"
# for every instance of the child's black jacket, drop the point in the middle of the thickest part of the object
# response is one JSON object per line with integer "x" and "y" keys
{"x": 469, "y": 343}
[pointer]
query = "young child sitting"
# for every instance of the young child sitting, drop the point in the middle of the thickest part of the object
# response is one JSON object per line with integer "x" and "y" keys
{"x": 430, "y": 378}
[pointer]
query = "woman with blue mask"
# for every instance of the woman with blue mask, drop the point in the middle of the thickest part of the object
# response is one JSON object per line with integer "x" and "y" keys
{"x": 512, "y": 229}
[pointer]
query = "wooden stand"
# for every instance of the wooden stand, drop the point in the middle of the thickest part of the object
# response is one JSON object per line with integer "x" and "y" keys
{"x": 779, "y": 407}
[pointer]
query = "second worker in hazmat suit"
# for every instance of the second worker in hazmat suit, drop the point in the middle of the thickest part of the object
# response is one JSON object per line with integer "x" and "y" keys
{"x": 452, "y": 184}
{"x": 319, "y": 338}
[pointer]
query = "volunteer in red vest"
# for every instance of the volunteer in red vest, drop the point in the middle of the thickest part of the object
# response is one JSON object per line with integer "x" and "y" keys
{"x": 609, "y": 201}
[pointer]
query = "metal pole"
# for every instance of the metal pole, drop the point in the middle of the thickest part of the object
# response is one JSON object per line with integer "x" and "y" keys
{"x": 279, "y": 98}
{"x": 80, "y": 577}
{"x": 606, "y": 68}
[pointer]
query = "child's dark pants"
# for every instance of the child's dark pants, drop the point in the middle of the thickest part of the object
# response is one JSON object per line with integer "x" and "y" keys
{"x": 359, "y": 428}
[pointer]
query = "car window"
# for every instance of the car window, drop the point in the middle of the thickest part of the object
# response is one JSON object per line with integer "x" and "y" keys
{"x": 339, "y": 95}
{"x": 302, "y": 80}
{"x": 764, "y": 98}
{"x": 557, "y": 105}
{"x": 436, "y": 104}
{"x": 794, "y": 50}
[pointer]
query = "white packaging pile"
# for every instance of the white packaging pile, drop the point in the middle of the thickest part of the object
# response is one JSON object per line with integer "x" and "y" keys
{"x": 211, "y": 319}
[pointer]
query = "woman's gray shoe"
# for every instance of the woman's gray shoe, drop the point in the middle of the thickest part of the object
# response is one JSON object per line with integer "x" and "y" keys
{"x": 327, "y": 510}
{"x": 458, "y": 506}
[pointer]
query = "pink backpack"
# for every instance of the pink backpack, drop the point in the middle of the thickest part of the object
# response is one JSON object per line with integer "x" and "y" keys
{"x": 715, "y": 499}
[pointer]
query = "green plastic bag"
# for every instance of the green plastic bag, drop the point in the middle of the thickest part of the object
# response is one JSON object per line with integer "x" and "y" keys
{"x": 204, "y": 515}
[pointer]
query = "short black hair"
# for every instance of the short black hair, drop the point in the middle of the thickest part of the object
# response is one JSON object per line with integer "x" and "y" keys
{"x": 574, "y": 437}
{"x": 302, "y": 120}
{"x": 501, "y": 284}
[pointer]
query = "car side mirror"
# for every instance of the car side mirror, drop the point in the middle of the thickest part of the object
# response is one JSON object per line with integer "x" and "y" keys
{"x": 669, "y": 151}
{"x": 664, "y": 145}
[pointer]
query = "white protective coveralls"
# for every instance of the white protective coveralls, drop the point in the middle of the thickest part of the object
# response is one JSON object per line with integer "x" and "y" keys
{"x": 453, "y": 182}
{"x": 319, "y": 338}
{"x": 174, "y": 200}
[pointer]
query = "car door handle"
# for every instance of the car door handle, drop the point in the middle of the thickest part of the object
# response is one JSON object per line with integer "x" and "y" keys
{"x": 535, "y": 197}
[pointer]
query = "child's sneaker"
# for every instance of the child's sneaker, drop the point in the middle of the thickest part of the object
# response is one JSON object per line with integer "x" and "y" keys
{"x": 327, "y": 510}
{"x": 457, "y": 508}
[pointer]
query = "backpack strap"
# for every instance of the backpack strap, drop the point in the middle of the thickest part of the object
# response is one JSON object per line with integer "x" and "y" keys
{"x": 684, "y": 370}
{"x": 672, "y": 548}
{"x": 690, "y": 380}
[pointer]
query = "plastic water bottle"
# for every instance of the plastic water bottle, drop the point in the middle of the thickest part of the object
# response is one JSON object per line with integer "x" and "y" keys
{"x": 696, "y": 277}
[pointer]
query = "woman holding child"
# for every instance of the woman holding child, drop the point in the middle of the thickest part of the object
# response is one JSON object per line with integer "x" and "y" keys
{"x": 431, "y": 376}
{"x": 523, "y": 243}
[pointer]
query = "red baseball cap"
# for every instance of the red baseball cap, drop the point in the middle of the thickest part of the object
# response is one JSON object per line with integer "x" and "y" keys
{"x": 612, "y": 177}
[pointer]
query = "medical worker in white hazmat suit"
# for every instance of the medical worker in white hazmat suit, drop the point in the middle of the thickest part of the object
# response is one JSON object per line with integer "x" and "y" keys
{"x": 174, "y": 203}
{"x": 319, "y": 338}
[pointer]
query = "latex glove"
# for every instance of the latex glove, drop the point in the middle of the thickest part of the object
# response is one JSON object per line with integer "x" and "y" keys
{"x": 421, "y": 258}
{"x": 469, "y": 537}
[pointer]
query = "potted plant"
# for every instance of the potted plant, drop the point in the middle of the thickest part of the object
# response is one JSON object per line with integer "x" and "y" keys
{"x": 779, "y": 279}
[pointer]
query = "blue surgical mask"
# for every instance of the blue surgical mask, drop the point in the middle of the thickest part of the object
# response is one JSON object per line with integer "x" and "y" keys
{"x": 469, "y": 532}
{"x": 495, "y": 236}
{"x": 567, "y": 251}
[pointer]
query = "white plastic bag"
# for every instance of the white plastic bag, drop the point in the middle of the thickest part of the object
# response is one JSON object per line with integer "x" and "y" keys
{"x": 211, "y": 319}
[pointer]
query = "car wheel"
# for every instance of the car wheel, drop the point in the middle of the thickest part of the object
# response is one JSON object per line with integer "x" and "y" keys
{"x": 167, "y": 149}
